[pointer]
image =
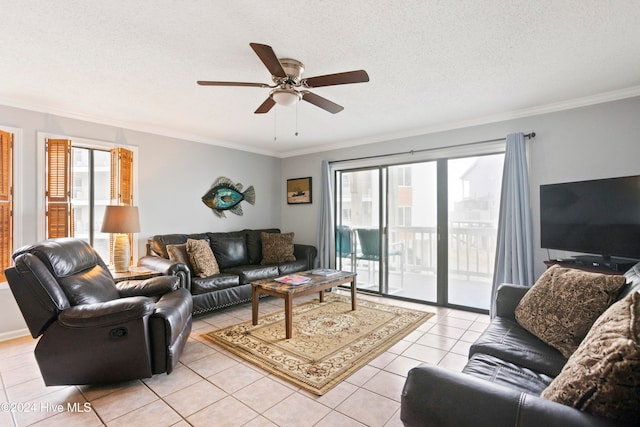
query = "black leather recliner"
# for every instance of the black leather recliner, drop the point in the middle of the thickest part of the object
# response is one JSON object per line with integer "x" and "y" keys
{"x": 94, "y": 330}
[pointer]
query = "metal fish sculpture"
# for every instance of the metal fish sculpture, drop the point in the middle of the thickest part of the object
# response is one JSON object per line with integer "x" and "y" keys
{"x": 225, "y": 195}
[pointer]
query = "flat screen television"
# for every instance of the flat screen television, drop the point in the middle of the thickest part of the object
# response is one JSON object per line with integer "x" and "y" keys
{"x": 599, "y": 216}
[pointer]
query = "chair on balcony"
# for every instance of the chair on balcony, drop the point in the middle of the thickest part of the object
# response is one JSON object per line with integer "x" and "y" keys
{"x": 369, "y": 240}
{"x": 91, "y": 329}
{"x": 345, "y": 245}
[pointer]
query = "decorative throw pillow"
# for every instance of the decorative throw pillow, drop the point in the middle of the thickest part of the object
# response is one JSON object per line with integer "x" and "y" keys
{"x": 277, "y": 248}
{"x": 178, "y": 253}
{"x": 563, "y": 304}
{"x": 203, "y": 262}
{"x": 603, "y": 376}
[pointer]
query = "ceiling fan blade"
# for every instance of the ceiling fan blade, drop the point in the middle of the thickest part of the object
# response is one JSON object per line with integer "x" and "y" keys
{"x": 269, "y": 59}
{"x": 321, "y": 102}
{"x": 359, "y": 76}
{"x": 208, "y": 83}
{"x": 265, "y": 106}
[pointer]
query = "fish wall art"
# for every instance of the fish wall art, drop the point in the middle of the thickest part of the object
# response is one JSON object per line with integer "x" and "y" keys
{"x": 224, "y": 195}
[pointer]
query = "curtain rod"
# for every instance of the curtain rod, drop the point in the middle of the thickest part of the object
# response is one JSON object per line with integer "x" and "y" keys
{"x": 528, "y": 135}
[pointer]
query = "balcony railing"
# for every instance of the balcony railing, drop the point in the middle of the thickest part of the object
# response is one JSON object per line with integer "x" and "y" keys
{"x": 471, "y": 249}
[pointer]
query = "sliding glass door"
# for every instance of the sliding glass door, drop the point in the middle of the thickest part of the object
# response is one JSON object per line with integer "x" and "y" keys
{"x": 422, "y": 231}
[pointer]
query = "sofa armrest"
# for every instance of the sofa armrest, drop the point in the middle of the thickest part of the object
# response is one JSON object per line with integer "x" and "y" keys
{"x": 307, "y": 253}
{"x": 168, "y": 268}
{"x": 149, "y": 287}
{"x": 434, "y": 396}
{"x": 108, "y": 313}
{"x": 507, "y": 298}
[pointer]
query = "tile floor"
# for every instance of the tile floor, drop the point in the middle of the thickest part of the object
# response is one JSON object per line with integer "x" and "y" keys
{"x": 212, "y": 387}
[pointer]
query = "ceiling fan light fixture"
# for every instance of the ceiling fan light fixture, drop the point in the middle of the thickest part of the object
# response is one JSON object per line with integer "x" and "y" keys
{"x": 286, "y": 97}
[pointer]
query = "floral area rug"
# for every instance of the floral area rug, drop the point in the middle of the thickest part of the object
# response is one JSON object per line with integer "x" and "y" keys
{"x": 329, "y": 341}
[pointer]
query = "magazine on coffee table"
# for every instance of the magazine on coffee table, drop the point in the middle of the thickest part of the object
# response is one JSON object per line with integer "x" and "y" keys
{"x": 293, "y": 279}
{"x": 324, "y": 272}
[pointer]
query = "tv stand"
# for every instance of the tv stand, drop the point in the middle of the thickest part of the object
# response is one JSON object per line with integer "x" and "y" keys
{"x": 605, "y": 262}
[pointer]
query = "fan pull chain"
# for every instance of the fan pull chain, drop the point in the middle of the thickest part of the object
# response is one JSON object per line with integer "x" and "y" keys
{"x": 275, "y": 125}
{"x": 296, "y": 119}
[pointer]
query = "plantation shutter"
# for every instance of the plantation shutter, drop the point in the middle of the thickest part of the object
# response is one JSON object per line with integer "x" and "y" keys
{"x": 121, "y": 186}
{"x": 6, "y": 201}
{"x": 58, "y": 196}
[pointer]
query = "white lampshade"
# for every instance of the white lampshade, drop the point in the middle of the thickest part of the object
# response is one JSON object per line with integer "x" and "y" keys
{"x": 286, "y": 96}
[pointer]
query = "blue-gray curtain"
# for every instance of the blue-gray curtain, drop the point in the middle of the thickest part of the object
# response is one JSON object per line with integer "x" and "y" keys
{"x": 514, "y": 248}
{"x": 325, "y": 227}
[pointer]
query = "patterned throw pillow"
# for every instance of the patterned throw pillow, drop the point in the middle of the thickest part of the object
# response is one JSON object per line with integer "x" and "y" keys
{"x": 603, "y": 376}
{"x": 201, "y": 258}
{"x": 563, "y": 304}
{"x": 277, "y": 248}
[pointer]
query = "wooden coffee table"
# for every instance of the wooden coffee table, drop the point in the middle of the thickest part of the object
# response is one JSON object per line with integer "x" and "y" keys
{"x": 289, "y": 292}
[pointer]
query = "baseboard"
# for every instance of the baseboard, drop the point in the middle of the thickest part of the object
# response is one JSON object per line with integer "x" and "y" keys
{"x": 18, "y": 333}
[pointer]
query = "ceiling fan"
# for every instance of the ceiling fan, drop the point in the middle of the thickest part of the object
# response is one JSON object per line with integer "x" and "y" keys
{"x": 286, "y": 74}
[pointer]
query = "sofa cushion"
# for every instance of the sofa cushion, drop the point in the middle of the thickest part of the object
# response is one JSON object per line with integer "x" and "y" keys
{"x": 201, "y": 258}
{"x": 277, "y": 248}
{"x": 230, "y": 251}
{"x": 202, "y": 285}
{"x": 179, "y": 253}
{"x": 251, "y": 273}
{"x": 507, "y": 340}
{"x": 563, "y": 304}
{"x": 292, "y": 267}
{"x": 603, "y": 376}
{"x": 507, "y": 374}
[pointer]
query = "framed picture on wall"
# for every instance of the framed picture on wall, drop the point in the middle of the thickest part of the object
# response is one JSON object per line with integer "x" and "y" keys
{"x": 299, "y": 191}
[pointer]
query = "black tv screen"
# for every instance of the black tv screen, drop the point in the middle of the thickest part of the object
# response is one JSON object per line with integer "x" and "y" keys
{"x": 597, "y": 217}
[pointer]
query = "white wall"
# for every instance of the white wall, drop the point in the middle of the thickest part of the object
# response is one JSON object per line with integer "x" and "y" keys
{"x": 173, "y": 176}
{"x": 590, "y": 142}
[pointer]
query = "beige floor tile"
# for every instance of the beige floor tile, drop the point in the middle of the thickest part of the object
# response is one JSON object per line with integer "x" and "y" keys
{"x": 336, "y": 419}
{"x": 461, "y": 348}
{"x": 235, "y": 378}
{"x": 437, "y": 341}
{"x": 369, "y": 408}
{"x": 63, "y": 400}
{"x": 228, "y": 412}
{"x": 386, "y": 384}
{"x": 383, "y": 360}
{"x": 127, "y": 399}
{"x": 335, "y": 396}
{"x": 31, "y": 391}
{"x": 470, "y": 336}
{"x": 260, "y": 421}
{"x": 212, "y": 364}
{"x": 181, "y": 377}
{"x": 362, "y": 375}
{"x": 195, "y": 350}
{"x": 263, "y": 394}
{"x": 454, "y": 362}
{"x": 447, "y": 331}
{"x": 395, "y": 420}
{"x": 401, "y": 365}
{"x": 455, "y": 322}
{"x": 296, "y": 410}
{"x": 71, "y": 419}
{"x": 424, "y": 353}
{"x": 195, "y": 397}
{"x": 156, "y": 414}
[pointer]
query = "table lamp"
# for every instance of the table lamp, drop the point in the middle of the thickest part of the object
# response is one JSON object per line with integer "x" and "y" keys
{"x": 121, "y": 220}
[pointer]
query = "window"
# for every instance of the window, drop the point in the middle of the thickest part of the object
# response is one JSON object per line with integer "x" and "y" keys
{"x": 6, "y": 201}
{"x": 81, "y": 178}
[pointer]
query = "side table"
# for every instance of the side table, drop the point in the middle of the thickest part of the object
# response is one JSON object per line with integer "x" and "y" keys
{"x": 136, "y": 274}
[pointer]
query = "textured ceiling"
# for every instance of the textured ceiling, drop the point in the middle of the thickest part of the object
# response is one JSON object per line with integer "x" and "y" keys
{"x": 433, "y": 65}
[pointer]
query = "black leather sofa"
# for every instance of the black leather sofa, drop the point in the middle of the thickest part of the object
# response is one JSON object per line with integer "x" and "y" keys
{"x": 239, "y": 256}
{"x": 507, "y": 370}
{"x": 92, "y": 330}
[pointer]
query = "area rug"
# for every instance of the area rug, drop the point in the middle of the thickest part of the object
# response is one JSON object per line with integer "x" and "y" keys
{"x": 329, "y": 341}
